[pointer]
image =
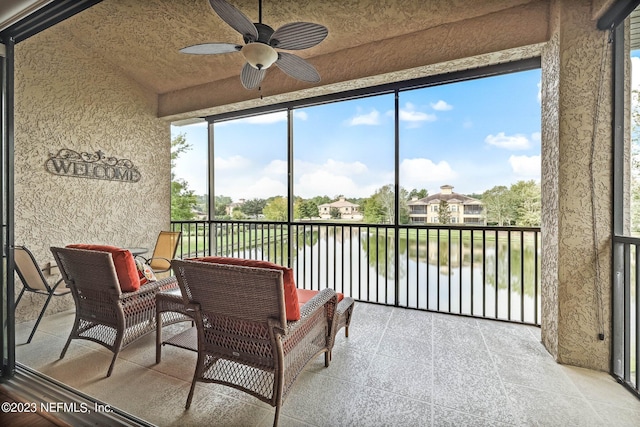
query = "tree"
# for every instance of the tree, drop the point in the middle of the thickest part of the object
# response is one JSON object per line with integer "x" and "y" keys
{"x": 307, "y": 209}
{"x": 444, "y": 214}
{"x": 183, "y": 200}
{"x": 379, "y": 208}
{"x": 418, "y": 194}
{"x": 222, "y": 202}
{"x": 276, "y": 209}
{"x": 253, "y": 207}
{"x": 335, "y": 213}
{"x": 527, "y": 199}
{"x": 498, "y": 206}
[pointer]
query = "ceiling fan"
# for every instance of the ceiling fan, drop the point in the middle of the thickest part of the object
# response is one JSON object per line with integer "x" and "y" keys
{"x": 260, "y": 42}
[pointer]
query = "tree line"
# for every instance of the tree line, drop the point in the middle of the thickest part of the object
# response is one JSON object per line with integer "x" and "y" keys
{"x": 517, "y": 205}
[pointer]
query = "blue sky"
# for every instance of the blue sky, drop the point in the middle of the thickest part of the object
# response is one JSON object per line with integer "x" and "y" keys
{"x": 473, "y": 135}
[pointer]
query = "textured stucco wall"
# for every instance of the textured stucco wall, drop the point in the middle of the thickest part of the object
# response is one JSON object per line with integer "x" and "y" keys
{"x": 576, "y": 278}
{"x": 66, "y": 98}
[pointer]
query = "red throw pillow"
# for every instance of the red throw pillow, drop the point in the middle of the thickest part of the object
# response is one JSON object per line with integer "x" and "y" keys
{"x": 290, "y": 295}
{"x": 124, "y": 263}
{"x": 304, "y": 295}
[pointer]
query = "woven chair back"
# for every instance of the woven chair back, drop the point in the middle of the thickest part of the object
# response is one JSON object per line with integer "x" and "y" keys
{"x": 242, "y": 293}
{"x": 92, "y": 277}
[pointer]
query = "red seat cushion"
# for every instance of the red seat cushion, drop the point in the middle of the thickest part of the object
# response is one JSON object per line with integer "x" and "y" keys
{"x": 290, "y": 295}
{"x": 122, "y": 260}
{"x": 304, "y": 295}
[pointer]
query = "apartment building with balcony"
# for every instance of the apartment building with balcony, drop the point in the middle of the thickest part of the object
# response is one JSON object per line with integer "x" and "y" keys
{"x": 463, "y": 209}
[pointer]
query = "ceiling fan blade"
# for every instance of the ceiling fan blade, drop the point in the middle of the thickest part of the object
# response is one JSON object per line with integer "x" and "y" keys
{"x": 297, "y": 67}
{"x": 251, "y": 77}
{"x": 236, "y": 19}
{"x": 211, "y": 48}
{"x": 298, "y": 35}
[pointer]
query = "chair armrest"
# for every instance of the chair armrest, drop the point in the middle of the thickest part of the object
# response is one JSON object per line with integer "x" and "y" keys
{"x": 165, "y": 284}
{"x": 316, "y": 303}
{"x": 343, "y": 306}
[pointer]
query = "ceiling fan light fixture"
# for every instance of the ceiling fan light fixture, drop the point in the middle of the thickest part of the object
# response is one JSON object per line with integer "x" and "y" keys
{"x": 259, "y": 55}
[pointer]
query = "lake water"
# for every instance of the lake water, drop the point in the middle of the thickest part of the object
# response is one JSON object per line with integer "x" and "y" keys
{"x": 452, "y": 271}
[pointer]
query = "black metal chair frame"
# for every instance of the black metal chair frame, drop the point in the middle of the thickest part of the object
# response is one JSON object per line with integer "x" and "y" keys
{"x": 42, "y": 288}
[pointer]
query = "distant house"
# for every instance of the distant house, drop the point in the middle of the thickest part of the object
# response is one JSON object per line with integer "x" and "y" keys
{"x": 463, "y": 209}
{"x": 233, "y": 206}
{"x": 347, "y": 209}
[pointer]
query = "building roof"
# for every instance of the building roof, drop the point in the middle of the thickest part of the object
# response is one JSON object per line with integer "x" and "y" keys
{"x": 342, "y": 203}
{"x": 446, "y": 195}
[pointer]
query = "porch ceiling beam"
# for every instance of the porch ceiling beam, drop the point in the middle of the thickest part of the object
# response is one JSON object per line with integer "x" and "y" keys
{"x": 617, "y": 13}
{"x": 49, "y": 15}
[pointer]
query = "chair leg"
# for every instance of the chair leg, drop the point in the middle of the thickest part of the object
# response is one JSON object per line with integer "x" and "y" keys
{"x": 74, "y": 330}
{"x": 191, "y": 390}
{"x": 117, "y": 346}
{"x": 19, "y": 297}
{"x": 276, "y": 416}
{"x": 327, "y": 358}
{"x": 66, "y": 346}
{"x": 44, "y": 308}
{"x": 196, "y": 375}
{"x": 113, "y": 362}
{"x": 346, "y": 331}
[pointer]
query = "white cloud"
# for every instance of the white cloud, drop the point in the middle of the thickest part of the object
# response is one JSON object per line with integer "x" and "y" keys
{"x": 526, "y": 166}
{"x": 539, "y": 92}
{"x": 323, "y": 182}
{"x": 276, "y": 167}
{"x": 302, "y": 115}
{"x": 266, "y": 119}
{"x": 264, "y": 186}
{"x": 536, "y": 136}
{"x": 371, "y": 119}
{"x": 417, "y": 173}
{"x": 231, "y": 163}
{"x": 635, "y": 73}
{"x": 353, "y": 179}
{"x": 441, "y": 106}
{"x": 512, "y": 142}
{"x": 414, "y": 117}
{"x": 338, "y": 167}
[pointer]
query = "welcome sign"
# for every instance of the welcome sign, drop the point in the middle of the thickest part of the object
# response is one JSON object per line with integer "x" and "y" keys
{"x": 94, "y": 166}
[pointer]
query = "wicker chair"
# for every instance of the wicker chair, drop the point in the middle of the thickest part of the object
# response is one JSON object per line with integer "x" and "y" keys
{"x": 244, "y": 339}
{"x": 105, "y": 314}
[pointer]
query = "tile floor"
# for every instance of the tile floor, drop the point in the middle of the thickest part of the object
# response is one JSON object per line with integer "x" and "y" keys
{"x": 398, "y": 368}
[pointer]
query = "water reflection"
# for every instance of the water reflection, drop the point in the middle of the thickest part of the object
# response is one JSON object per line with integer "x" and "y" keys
{"x": 490, "y": 273}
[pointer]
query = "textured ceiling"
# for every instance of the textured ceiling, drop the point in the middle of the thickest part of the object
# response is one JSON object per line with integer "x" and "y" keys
{"x": 143, "y": 36}
{"x": 370, "y": 42}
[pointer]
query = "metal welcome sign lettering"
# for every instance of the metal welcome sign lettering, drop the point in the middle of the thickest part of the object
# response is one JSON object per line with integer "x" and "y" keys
{"x": 94, "y": 166}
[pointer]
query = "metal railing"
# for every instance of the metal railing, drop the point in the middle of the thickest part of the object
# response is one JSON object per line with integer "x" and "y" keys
{"x": 626, "y": 300}
{"x": 486, "y": 272}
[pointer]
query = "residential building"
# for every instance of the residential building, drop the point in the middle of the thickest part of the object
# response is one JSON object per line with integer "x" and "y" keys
{"x": 347, "y": 209}
{"x": 233, "y": 206}
{"x": 463, "y": 209}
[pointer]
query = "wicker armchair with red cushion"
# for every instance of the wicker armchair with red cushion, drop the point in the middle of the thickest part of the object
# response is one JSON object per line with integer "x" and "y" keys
{"x": 244, "y": 337}
{"x": 106, "y": 313}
